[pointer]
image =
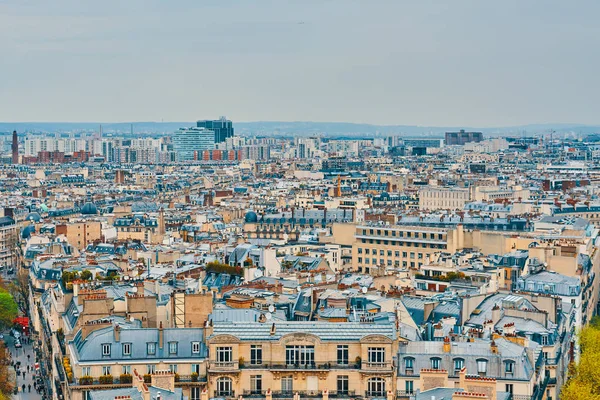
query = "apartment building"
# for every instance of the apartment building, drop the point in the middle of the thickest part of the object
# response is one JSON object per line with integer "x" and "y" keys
{"x": 342, "y": 359}
{"x": 443, "y": 198}
{"x": 8, "y": 241}
{"x": 377, "y": 247}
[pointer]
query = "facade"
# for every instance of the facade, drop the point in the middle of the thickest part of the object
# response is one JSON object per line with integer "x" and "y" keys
{"x": 8, "y": 241}
{"x": 189, "y": 142}
{"x": 441, "y": 198}
{"x": 461, "y": 138}
{"x": 222, "y": 127}
{"x": 247, "y": 359}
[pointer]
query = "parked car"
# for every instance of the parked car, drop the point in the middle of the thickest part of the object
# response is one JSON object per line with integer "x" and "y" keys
{"x": 10, "y": 271}
{"x": 18, "y": 344}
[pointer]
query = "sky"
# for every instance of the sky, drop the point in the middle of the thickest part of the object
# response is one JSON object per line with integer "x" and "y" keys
{"x": 433, "y": 63}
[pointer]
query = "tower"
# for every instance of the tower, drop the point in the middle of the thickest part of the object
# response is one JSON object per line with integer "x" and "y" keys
{"x": 15, "y": 148}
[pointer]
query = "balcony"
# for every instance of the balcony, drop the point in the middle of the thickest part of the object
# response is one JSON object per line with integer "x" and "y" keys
{"x": 377, "y": 366}
{"x": 223, "y": 366}
{"x": 378, "y": 394}
{"x": 316, "y": 394}
{"x": 302, "y": 367}
{"x": 189, "y": 380}
{"x": 224, "y": 394}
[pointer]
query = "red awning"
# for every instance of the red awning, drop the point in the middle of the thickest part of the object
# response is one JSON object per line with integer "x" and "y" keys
{"x": 23, "y": 321}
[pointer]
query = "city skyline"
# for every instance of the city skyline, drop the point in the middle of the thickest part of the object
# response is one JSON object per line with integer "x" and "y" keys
{"x": 385, "y": 63}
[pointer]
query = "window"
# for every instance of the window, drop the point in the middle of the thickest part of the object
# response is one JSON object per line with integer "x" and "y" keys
{"x": 481, "y": 366}
{"x": 173, "y": 368}
{"x": 409, "y": 363}
{"x": 224, "y": 355}
{"x": 151, "y": 348}
{"x": 150, "y": 368}
{"x": 224, "y": 387}
{"x": 106, "y": 370}
{"x": 299, "y": 355}
{"x": 126, "y": 349}
{"x": 287, "y": 384}
{"x": 172, "y": 347}
{"x": 342, "y": 384}
{"x": 509, "y": 388}
{"x": 195, "y": 393}
{"x": 342, "y": 354}
{"x": 256, "y": 384}
{"x": 86, "y": 371}
{"x": 409, "y": 387}
{"x": 196, "y": 368}
{"x": 126, "y": 369}
{"x": 544, "y": 340}
{"x": 435, "y": 363}
{"x": 195, "y": 347}
{"x": 376, "y": 387}
{"x": 376, "y": 356}
{"x": 459, "y": 363}
{"x": 255, "y": 354}
{"x": 509, "y": 367}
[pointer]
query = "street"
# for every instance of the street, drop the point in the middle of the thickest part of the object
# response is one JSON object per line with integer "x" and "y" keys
{"x": 21, "y": 355}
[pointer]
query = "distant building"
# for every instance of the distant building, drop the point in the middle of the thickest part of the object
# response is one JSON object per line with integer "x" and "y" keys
{"x": 222, "y": 127}
{"x": 461, "y": 138}
{"x": 188, "y": 142}
{"x": 15, "y": 148}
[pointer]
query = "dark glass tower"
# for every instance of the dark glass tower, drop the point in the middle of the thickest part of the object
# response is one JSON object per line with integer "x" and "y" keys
{"x": 222, "y": 127}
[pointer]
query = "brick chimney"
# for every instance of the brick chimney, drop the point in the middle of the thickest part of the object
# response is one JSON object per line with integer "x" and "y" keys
{"x": 163, "y": 380}
{"x": 447, "y": 345}
{"x": 117, "y": 332}
{"x": 161, "y": 335}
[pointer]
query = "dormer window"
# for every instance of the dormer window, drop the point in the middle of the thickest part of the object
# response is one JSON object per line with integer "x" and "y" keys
{"x": 106, "y": 350}
{"x": 509, "y": 367}
{"x": 151, "y": 348}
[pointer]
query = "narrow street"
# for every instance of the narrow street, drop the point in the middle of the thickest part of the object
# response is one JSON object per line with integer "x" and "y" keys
{"x": 21, "y": 355}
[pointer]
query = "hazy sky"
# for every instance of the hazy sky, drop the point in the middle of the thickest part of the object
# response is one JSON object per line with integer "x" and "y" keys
{"x": 451, "y": 62}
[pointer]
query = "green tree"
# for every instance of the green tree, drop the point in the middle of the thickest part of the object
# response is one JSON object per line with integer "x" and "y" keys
{"x": 584, "y": 380}
{"x": 19, "y": 289}
{"x": 86, "y": 275}
{"x": 8, "y": 309}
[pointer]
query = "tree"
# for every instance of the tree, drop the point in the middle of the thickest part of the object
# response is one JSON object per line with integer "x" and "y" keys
{"x": 8, "y": 309}
{"x": 584, "y": 378}
{"x": 86, "y": 275}
{"x": 6, "y": 383}
{"x": 19, "y": 289}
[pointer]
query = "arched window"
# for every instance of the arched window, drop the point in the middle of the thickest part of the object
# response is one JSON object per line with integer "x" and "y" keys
{"x": 459, "y": 363}
{"x": 509, "y": 367}
{"x": 224, "y": 387}
{"x": 436, "y": 362}
{"x": 376, "y": 387}
{"x": 482, "y": 366}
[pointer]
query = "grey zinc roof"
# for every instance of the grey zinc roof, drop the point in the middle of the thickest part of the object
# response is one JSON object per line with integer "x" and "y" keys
{"x": 326, "y": 331}
{"x": 135, "y": 394}
{"x": 90, "y": 349}
{"x": 470, "y": 352}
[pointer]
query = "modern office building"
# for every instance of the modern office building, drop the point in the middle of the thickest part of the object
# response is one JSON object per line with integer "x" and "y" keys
{"x": 222, "y": 127}
{"x": 15, "y": 148}
{"x": 188, "y": 143}
{"x": 461, "y": 138}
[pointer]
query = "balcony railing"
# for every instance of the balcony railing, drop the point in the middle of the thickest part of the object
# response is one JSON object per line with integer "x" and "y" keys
{"x": 224, "y": 365}
{"x": 303, "y": 394}
{"x": 189, "y": 379}
{"x": 377, "y": 393}
{"x": 309, "y": 366}
{"x": 227, "y": 394}
{"x": 377, "y": 366}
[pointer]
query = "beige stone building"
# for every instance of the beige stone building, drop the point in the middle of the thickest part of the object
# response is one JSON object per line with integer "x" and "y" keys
{"x": 344, "y": 359}
{"x": 443, "y": 198}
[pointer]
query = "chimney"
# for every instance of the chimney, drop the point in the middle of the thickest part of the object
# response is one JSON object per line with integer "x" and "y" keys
{"x": 160, "y": 335}
{"x": 494, "y": 347}
{"x": 447, "y": 345}
{"x": 117, "y": 332}
{"x": 496, "y": 314}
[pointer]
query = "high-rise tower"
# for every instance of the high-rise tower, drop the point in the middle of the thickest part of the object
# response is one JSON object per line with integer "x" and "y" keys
{"x": 15, "y": 148}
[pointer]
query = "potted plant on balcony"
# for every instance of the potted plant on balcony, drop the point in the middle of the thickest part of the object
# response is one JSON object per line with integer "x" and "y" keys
{"x": 241, "y": 361}
{"x": 147, "y": 378}
{"x": 86, "y": 380}
{"x": 125, "y": 378}
{"x": 177, "y": 377}
{"x": 194, "y": 377}
{"x": 358, "y": 361}
{"x": 106, "y": 379}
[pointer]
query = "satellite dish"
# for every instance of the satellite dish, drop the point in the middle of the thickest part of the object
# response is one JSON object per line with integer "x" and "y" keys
{"x": 364, "y": 289}
{"x": 269, "y": 316}
{"x": 131, "y": 319}
{"x": 271, "y": 308}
